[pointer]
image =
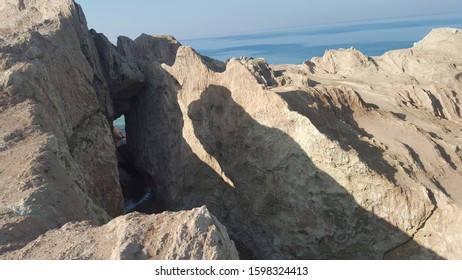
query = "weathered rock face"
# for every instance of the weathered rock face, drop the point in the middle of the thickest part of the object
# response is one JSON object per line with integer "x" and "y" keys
{"x": 346, "y": 156}
{"x": 161, "y": 49}
{"x": 417, "y": 92}
{"x": 136, "y": 236}
{"x": 57, "y": 154}
{"x": 294, "y": 161}
{"x": 123, "y": 75}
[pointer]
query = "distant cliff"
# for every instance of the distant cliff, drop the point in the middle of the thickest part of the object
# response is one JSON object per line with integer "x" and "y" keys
{"x": 342, "y": 157}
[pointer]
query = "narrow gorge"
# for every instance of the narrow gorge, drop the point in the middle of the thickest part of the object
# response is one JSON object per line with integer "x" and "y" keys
{"x": 344, "y": 156}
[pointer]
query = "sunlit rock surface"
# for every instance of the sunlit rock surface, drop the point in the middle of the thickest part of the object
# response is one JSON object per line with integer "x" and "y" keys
{"x": 342, "y": 157}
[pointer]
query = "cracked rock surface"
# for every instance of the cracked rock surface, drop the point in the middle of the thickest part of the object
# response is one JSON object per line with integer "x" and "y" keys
{"x": 136, "y": 236}
{"x": 57, "y": 162}
{"x": 345, "y": 156}
{"x": 59, "y": 184}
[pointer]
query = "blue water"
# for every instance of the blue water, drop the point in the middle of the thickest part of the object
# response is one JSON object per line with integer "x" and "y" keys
{"x": 120, "y": 123}
{"x": 295, "y": 45}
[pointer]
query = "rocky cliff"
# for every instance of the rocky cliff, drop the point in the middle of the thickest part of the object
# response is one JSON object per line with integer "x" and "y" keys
{"x": 342, "y": 157}
{"x": 57, "y": 154}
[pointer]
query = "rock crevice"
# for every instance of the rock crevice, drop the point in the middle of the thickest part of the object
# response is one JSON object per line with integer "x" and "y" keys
{"x": 58, "y": 165}
{"x": 394, "y": 253}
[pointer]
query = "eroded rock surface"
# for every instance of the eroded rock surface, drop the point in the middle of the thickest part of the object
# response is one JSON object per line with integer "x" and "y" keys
{"x": 342, "y": 157}
{"x": 124, "y": 76}
{"x": 58, "y": 169}
{"x": 136, "y": 236}
{"x": 313, "y": 160}
{"x": 57, "y": 161}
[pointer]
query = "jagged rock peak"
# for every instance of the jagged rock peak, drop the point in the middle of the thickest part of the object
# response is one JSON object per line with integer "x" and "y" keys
{"x": 439, "y": 36}
{"x": 260, "y": 69}
{"x": 54, "y": 102}
{"x": 344, "y": 61}
{"x": 123, "y": 75}
{"x": 161, "y": 49}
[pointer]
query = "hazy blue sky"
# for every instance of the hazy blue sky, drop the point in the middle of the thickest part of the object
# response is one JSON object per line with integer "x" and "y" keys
{"x": 186, "y": 19}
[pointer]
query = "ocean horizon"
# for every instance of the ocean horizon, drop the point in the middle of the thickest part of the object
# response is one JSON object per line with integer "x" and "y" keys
{"x": 297, "y": 44}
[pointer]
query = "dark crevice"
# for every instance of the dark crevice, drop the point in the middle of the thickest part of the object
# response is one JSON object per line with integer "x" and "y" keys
{"x": 244, "y": 252}
{"x": 399, "y": 116}
{"x": 415, "y": 157}
{"x": 391, "y": 254}
{"x": 436, "y": 104}
{"x": 444, "y": 155}
{"x": 21, "y": 5}
{"x": 439, "y": 186}
{"x": 338, "y": 124}
{"x": 138, "y": 188}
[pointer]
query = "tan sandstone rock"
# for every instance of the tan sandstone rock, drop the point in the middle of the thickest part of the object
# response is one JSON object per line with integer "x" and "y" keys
{"x": 320, "y": 165}
{"x": 57, "y": 161}
{"x": 344, "y": 157}
{"x": 58, "y": 170}
{"x": 194, "y": 234}
{"x": 411, "y": 129}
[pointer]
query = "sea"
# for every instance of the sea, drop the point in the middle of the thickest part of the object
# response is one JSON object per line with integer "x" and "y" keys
{"x": 297, "y": 44}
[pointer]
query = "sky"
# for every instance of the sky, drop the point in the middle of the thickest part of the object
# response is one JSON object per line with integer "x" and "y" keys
{"x": 188, "y": 19}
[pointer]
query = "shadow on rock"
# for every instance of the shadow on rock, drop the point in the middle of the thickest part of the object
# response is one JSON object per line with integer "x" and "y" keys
{"x": 282, "y": 206}
{"x": 336, "y": 121}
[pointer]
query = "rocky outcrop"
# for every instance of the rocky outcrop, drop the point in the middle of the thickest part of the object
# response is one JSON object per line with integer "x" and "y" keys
{"x": 57, "y": 157}
{"x": 124, "y": 76}
{"x": 58, "y": 166}
{"x": 160, "y": 49}
{"x": 260, "y": 70}
{"x": 425, "y": 76}
{"x": 344, "y": 157}
{"x": 298, "y": 151}
{"x": 345, "y": 62}
{"x": 408, "y": 129}
{"x": 136, "y": 236}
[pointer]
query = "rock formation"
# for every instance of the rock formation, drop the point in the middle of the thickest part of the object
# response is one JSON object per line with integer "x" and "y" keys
{"x": 136, "y": 236}
{"x": 58, "y": 163}
{"x": 57, "y": 157}
{"x": 321, "y": 160}
{"x": 343, "y": 157}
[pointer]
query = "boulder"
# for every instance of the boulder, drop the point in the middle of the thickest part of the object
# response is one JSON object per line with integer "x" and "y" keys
{"x": 184, "y": 235}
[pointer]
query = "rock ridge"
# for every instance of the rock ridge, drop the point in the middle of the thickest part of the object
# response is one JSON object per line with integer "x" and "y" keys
{"x": 58, "y": 166}
{"x": 345, "y": 156}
